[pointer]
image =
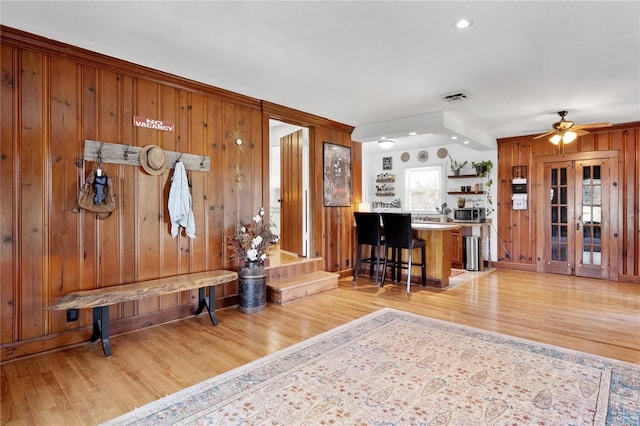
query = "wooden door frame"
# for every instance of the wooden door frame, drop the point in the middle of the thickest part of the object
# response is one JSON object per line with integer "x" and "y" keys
{"x": 614, "y": 218}
{"x": 314, "y": 215}
{"x": 292, "y": 206}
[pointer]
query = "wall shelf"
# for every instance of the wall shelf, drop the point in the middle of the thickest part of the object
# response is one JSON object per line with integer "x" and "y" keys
{"x": 463, "y": 176}
{"x": 385, "y": 194}
{"x": 465, "y": 193}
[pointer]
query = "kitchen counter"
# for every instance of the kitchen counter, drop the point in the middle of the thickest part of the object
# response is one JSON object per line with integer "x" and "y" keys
{"x": 439, "y": 239}
{"x": 435, "y": 226}
{"x": 439, "y": 249}
{"x": 479, "y": 229}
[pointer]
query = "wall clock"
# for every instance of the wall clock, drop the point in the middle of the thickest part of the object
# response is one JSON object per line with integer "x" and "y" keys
{"x": 423, "y": 156}
{"x": 442, "y": 153}
{"x": 405, "y": 157}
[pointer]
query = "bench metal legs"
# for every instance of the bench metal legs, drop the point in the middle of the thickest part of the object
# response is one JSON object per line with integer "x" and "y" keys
{"x": 101, "y": 318}
{"x": 209, "y": 304}
{"x": 101, "y": 328}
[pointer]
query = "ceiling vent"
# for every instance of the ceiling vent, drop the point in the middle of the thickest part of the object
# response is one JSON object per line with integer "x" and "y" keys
{"x": 456, "y": 97}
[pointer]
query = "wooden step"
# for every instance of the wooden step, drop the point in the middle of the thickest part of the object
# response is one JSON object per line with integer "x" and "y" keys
{"x": 282, "y": 264}
{"x": 285, "y": 290}
{"x": 292, "y": 266}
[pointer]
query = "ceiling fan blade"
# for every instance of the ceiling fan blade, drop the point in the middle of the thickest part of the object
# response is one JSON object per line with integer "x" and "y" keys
{"x": 591, "y": 125}
{"x": 545, "y": 134}
{"x": 579, "y": 132}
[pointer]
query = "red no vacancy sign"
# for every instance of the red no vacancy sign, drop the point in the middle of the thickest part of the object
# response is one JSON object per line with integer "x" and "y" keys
{"x": 165, "y": 126}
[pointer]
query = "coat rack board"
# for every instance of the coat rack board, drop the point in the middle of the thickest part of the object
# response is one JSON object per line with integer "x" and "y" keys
{"x": 116, "y": 153}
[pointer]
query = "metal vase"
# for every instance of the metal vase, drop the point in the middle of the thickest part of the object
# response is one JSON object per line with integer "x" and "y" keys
{"x": 252, "y": 288}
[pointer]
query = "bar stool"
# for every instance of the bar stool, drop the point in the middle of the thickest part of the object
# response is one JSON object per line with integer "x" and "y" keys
{"x": 398, "y": 236}
{"x": 369, "y": 233}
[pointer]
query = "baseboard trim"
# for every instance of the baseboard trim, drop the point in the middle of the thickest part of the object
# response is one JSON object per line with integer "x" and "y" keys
{"x": 517, "y": 266}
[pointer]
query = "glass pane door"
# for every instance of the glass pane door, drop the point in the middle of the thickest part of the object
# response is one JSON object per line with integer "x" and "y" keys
{"x": 559, "y": 214}
{"x": 591, "y": 215}
{"x": 592, "y": 256}
{"x": 575, "y": 218}
{"x": 559, "y": 239}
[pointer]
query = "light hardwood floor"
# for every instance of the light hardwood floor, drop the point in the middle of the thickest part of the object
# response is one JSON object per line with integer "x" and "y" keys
{"x": 80, "y": 386}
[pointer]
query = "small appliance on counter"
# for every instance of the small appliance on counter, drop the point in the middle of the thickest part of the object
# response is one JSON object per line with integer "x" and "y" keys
{"x": 473, "y": 215}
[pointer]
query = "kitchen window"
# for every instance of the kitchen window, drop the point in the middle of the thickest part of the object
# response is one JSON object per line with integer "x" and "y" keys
{"x": 424, "y": 188}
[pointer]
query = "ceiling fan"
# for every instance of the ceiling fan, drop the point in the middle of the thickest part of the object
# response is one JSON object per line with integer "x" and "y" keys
{"x": 566, "y": 131}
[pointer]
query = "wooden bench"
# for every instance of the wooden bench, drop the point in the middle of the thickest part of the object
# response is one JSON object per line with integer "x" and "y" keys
{"x": 100, "y": 299}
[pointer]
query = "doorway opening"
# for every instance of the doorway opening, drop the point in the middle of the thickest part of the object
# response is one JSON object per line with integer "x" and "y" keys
{"x": 289, "y": 185}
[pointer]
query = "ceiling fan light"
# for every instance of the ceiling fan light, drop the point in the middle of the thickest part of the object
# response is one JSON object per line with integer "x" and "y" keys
{"x": 386, "y": 143}
{"x": 555, "y": 139}
{"x": 569, "y": 136}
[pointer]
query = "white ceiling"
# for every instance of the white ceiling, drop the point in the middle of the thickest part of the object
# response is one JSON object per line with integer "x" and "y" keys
{"x": 380, "y": 66}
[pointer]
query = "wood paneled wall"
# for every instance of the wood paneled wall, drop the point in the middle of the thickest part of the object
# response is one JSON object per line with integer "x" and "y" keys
{"x": 518, "y": 228}
{"x": 54, "y": 96}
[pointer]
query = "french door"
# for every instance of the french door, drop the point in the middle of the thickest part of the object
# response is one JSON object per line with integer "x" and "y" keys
{"x": 577, "y": 218}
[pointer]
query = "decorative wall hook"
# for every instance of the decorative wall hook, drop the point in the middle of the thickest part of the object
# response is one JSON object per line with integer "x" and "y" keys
{"x": 120, "y": 154}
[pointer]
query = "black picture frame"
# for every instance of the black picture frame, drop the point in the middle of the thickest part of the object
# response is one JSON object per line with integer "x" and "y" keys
{"x": 387, "y": 163}
{"x": 336, "y": 162}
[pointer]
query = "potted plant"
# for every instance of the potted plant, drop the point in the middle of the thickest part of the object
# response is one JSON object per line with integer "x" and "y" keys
{"x": 483, "y": 168}
{"x": 455, "y": 166}
{"x": 444, "y": 210}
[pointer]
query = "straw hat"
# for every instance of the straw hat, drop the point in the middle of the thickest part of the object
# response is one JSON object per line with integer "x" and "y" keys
{"x": 153, "y": 159}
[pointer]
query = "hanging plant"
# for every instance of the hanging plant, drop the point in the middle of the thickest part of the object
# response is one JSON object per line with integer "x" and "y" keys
{"x": 483, "y": 170}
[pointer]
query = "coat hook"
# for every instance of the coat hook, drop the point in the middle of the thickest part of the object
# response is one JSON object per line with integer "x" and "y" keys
{"x": 125, "y": 154}
{"x": 179, "y": 157}
{"x": 202, "y": 162}
{"x": 99, "y": 155}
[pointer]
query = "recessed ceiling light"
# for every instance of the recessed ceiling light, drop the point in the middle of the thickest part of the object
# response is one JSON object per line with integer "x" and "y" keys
{"x": 454, "y": 137}
{"x": 466, "y": 142}
{"x": 463, "y": 23}
{"x": 413, "y": 133}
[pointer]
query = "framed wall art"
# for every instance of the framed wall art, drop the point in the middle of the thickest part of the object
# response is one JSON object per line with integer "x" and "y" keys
{"x": 386, "y": 163}
{"x": 337, "y": 175}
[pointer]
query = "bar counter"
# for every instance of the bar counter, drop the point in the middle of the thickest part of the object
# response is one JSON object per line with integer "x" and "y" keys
{"x": 439, "y": 250}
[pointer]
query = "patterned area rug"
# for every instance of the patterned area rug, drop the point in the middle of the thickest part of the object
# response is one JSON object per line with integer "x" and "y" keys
{"x": 397, "y": 368}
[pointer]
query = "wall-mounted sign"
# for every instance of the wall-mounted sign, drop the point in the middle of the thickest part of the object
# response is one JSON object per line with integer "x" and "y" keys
{"x": 166, "y": 126}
